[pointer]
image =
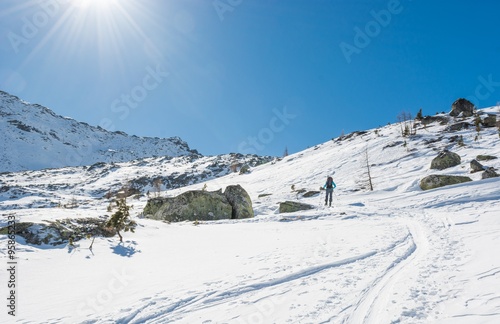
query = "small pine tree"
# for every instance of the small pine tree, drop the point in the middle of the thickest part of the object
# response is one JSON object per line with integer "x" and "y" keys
{"x": 120, "y": 220}
{"x": 285, "y": 154}
{"x": 419, "y": 115}
{"x": 406, "y": 131}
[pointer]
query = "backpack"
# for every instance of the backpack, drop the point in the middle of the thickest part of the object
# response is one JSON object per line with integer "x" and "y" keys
{"x": 329, "y": 182}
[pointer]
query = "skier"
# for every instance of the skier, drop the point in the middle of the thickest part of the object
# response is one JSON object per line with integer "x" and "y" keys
{"x": 329, "y": 186}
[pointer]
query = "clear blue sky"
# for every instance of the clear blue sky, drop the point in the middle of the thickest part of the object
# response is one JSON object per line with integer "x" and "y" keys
{"x": 247, "y": 75}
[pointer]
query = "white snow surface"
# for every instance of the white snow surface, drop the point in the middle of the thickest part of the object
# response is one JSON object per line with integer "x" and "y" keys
{"x": 393, "y": 255}
{"x": 34, "y": 138}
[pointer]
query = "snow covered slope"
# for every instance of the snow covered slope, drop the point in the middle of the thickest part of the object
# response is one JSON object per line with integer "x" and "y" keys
{"x": 393, "y": 255}
{"x": 55, "y": 187}
{"x": 34, "y": 137}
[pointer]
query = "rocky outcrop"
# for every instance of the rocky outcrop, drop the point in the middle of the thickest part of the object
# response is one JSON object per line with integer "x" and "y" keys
{"x": 462, "y": 107}
{"x": 444, "y": 160}
{"x": 489, "y": 121}
{"x": 234, "y": 203}
{"x": 293, "y": 206}
{"x": 437, "y": 181}
{"x": 488, "y": 172}
{"x": 458, "y": 126}
{"x": 443, "y": 120}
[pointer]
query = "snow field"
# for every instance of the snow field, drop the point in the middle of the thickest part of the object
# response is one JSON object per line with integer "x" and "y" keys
{"x": 394, "y": 255}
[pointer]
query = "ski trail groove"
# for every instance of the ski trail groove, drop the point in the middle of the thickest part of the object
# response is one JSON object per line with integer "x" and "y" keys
{"x": 371, "y": 306}
{"x": 211, "y": 299}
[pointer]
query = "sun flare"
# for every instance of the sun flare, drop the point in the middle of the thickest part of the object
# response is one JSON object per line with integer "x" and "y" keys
{"x": 99, "y": 5}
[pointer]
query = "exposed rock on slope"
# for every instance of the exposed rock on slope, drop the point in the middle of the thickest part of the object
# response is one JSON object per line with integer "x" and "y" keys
{"x": 444, "y": 160}
{"x": 436, "y": 181}
{"x": 193, "y": 205}
{"x": 293, "y": 206}
{"x": 239, "y": 199}
{"x": 462, "y": 107}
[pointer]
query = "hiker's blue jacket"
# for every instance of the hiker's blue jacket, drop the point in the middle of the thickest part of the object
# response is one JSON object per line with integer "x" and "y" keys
{"x": 333, "y": 184}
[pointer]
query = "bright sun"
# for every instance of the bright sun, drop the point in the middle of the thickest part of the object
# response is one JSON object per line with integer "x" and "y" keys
{"x": 100, "y": 5}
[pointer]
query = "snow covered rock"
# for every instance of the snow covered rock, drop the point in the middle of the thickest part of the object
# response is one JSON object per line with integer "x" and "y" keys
{"x": 458, "y": 126}
{"x": 436, "y": 181}
{"x": 442, "y": 119}
{"x": 489, "y": 121}
{"x": 445, "y": 159}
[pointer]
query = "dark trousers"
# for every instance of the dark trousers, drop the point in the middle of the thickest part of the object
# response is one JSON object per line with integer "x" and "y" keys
{"x": 329, "y": 193}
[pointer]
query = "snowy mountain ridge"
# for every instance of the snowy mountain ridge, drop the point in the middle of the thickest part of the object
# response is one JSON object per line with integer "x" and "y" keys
{"x": 34, "y": 138}
{"x": 397, "y": 254}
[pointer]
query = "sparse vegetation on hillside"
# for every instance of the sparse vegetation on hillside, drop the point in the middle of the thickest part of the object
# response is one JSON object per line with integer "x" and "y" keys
{"x": 407, "y": 124}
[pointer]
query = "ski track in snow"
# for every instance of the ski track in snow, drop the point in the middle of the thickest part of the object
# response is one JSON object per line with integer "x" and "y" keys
{"x": 213, "y": 298}
{"x": 154, "y": 312}
{"x": 370, "y": 308}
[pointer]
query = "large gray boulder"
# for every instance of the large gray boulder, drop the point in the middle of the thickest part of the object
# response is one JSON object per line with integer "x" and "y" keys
{"x": 436, "y": 181}
{"x": 462, "y": 107}
{"x": 234, "y": 203}
{"x": 191, "y": 206}
{"x": 444, "y": 160}
{"x": 240, "y": 201}
{"x": 293, "y": 206}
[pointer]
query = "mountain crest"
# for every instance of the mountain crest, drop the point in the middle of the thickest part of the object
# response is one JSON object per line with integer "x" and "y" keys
{"x": 34, "y": 137}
